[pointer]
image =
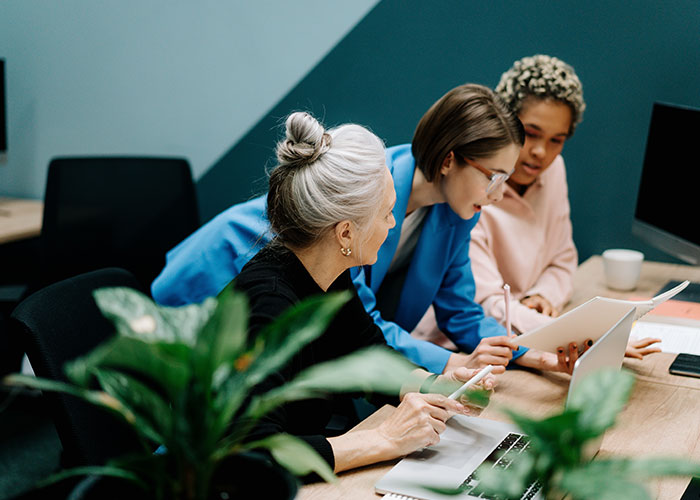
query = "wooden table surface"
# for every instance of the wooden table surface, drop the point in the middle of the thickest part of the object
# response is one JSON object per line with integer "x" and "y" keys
{"x": 662, "y": 417}
{"x": 19, "y": 219}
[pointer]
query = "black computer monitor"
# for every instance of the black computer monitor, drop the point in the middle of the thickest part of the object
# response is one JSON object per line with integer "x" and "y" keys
{"x": 666, "y": 215}
{"x": 3, "y": 114}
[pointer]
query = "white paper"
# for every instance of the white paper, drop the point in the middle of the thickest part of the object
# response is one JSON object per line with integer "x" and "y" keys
{"x": 674, "y": 338}
{"x": 591, "y": 320}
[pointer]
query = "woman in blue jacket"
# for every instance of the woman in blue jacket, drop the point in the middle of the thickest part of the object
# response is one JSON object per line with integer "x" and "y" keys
{"x": 463, "y": 150}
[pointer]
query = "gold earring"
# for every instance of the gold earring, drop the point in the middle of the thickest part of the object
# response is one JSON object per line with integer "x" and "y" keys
{"x": 346, "y": 251}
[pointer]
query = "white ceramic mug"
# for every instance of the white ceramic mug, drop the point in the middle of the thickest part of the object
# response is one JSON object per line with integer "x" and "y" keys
{"x": 622, "y": 268}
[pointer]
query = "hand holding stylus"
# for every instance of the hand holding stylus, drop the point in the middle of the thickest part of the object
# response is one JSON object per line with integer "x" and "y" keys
{"x": 472, "y": 381}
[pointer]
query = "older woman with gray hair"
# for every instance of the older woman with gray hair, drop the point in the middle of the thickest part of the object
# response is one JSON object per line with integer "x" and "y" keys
{"x": 330, "y": 208}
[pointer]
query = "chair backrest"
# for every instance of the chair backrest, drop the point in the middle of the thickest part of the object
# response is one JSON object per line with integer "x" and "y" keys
{"x": 60, "y": 323}
{"x": 125, "y": 212}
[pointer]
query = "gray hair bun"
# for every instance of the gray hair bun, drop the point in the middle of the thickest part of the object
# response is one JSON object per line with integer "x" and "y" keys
{"x": 306, "y": 141}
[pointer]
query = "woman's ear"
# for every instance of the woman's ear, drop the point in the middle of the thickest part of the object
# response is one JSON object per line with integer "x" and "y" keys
{"x": 344, "y": 233}
{"x": 447, "y": 163}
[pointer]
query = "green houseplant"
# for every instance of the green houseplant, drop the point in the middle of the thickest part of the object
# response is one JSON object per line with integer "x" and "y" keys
{"x": 182, "y": 377}
{"x": 558, "y": 457}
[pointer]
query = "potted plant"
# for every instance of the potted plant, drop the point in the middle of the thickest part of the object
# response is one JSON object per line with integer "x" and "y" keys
{"x": 559, "y": 454}
{"x": 182, "y": 378}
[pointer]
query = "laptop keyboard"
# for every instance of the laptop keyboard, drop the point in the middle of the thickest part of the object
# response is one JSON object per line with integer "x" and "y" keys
{"x": 502, "y": 457}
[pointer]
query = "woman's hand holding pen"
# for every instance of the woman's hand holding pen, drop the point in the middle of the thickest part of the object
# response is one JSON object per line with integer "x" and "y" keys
{"x": 461, "y": 375}
{"x": 471, "y": 379}
{"x": 417, "y": 422}
{"x": 421, "y": 418}
{"x": 497, "y": 351}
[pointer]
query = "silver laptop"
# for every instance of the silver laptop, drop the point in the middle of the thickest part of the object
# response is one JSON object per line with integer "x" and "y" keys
{"x": 469, "y": 442}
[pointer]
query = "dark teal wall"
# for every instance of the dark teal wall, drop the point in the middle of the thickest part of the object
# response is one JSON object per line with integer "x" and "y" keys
{"x": 405, "y": 54}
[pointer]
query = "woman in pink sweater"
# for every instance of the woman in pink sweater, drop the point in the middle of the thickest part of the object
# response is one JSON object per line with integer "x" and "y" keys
{"x": 525, "y": 240}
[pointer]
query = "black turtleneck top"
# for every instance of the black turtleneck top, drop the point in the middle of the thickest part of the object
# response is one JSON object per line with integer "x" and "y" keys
{"x": 274, "y": 280}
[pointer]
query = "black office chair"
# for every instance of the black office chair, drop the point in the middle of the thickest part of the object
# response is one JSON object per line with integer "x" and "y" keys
{"x": 57, "y": 324}
{"x": 123, "y": 212}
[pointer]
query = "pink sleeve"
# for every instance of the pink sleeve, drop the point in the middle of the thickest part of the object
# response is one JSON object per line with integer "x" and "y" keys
{"x": 487, "y": 277}
{"x": 556, "y": 281}
{"x": 489, "y": 283}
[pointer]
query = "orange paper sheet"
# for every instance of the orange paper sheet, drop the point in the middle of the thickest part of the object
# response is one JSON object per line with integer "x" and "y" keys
{"x": 675, "y": 309}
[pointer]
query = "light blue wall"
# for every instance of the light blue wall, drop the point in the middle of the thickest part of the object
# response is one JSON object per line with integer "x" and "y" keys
{"x": 152, "y": 77}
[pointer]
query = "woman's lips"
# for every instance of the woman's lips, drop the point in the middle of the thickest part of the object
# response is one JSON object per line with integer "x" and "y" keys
{"x": 531, "y": 169}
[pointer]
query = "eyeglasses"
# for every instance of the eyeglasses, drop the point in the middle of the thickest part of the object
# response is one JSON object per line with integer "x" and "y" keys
{"x": 495, "y": 178}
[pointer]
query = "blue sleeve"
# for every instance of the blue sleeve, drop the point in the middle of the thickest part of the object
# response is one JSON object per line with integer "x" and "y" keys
{"x": 457, "y": 314}
{"x": 426, "y": 354}
{"x": 207, "y": 260}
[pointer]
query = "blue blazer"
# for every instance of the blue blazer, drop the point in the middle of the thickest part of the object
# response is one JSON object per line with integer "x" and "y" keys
{"x": 208, "y": 259}
{"x": 439, "y": 272}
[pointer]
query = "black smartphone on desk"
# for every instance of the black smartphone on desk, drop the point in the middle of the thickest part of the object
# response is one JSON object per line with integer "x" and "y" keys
{"x": 685, "y": 364}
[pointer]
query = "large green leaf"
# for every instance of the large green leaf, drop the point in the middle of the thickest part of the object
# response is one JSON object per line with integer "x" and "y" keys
{"x": 195, "y": 435}
{"x": 509, "y": 482}
{"x": 555, "y": 440}
{"x": 477, "y": 397}
{"x": 98, "y": 398}
{"x": 153, "y": 417}
{"x": 295, "y": 455}
{"x": 136, "y": 315}
{"x": 600, "y": 397}
{"x": 292, "y": 330}
{"x": 165, "y": 364}
{"x": 93, "y": 470}
{"x": 223, "y": 338}
{"x": 637, "y": 469}
{"x": 374, "y": 369}
{"x": 275, "y": 345}
{"x": 603, "y": 486}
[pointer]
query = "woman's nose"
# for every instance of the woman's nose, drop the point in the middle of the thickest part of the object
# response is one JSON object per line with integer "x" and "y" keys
{"x": 497, "y": 194}
{"x": 537, "y": 150}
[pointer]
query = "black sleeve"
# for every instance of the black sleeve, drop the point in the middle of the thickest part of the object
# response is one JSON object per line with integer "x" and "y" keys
{"x": 277, "y": 421}
{"x": 268, "y": 307}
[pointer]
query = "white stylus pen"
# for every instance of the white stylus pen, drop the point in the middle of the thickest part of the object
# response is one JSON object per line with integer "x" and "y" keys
{"x": 506, "y": 297}
{"x": 476, "y": 378}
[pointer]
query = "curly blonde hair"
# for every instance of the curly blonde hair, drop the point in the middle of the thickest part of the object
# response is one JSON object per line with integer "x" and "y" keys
{"x": 543, "y": 77}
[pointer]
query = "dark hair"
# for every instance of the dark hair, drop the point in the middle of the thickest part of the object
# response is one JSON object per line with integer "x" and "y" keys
{"x": 469, "y": 120}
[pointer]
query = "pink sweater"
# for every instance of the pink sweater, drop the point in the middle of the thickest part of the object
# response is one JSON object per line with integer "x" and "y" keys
{"x": 526, "y": 241}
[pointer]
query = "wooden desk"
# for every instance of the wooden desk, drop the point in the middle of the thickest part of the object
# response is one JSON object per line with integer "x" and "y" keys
{"x": 19, "y": 219}
{"x": 589, "y": 280}
{"x": 660, "y": 419}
